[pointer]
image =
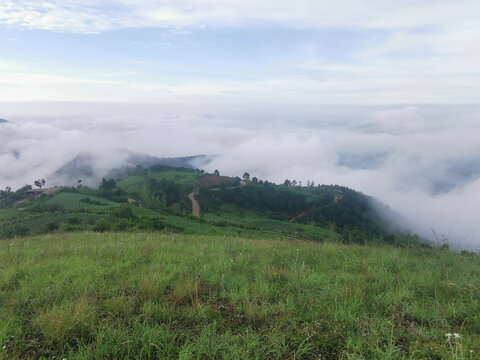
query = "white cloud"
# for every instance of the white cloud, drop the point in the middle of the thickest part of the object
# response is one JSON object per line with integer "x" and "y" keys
{"x": 92, "y": 16}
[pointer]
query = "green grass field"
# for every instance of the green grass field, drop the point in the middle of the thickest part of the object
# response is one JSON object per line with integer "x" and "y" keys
{"x": 132, "y": 183}
{"x": 165, "y": 296}
{"x": 71, "y": 201}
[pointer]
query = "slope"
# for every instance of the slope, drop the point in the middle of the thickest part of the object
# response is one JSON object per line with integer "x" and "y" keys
{"x": 122, "y": 296}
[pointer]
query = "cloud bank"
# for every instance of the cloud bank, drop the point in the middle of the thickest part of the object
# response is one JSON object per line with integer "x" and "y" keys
{"x": 423, "y": 161}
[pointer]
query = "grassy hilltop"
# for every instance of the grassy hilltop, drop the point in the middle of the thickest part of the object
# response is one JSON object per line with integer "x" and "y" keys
{"x": 131, "y": 270}
{"x": 153, "y": 296}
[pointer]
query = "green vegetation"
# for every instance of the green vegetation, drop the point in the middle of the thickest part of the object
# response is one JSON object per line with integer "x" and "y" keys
{"x": 153, "y": 296}
{"x": 267, "y": 271}
{"x": 158, "y": 200}
{"x": 70, "y": 201}
{"x": 321, "y": 205}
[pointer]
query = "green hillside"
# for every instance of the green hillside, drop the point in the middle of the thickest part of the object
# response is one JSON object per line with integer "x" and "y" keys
{"x": 132, "y": 183}
{"x": 69, "y": 201}
{"x": 152, "y": 296}
{"x": 159, "y": 199}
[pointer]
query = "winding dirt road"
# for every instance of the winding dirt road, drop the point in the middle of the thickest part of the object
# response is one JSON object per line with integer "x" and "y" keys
{"x": 195, "y": 205}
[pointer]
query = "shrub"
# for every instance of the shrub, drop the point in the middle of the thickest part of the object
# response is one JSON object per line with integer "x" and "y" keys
{"x": 74, "y": 221}
{"x": 42, "y": 207}
{"x": 120, "y": 225}
{"x": 51, "y": 226}
{"x": 123, "y": 212}
{"x": 149, "y": 223}
{"x": 101, "y": 225}
{"x": 14, "y": 231}
{"x": 88, "y": 200}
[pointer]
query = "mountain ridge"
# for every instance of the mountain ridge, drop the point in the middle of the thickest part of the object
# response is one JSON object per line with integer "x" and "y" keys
{"x": 92, "y": 167}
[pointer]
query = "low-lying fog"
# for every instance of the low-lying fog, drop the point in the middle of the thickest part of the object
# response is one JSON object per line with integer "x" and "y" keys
{"x": 422, "y": 161}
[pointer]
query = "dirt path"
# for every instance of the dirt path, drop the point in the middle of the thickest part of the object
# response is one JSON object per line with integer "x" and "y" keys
{"x": 195, "y": 205}
{"x": 336, "y": 199}
{"x": 303, "y": 213}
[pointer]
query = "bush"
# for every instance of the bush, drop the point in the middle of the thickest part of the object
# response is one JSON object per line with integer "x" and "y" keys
{"x": 123, "y": 212}
{"x": 120, "y": 225}
{"x": 149, "y": 223}
{"x": 51, "y": 226}
{"x": 14, "y": 231}
{"x": 74, "y": 221}
{"x": 101, "y": 225}
{"x": 175, "y": 228}
{"x": 88, "y": 200}
{"x": 42, "y": 207}
{"x": 68, "y": 228}
{"x": 354, "y": 237}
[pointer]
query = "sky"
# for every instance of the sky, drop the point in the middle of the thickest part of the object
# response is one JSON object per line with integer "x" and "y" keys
{"x": 380, "y": 96}
{"x": 283, "y": 51}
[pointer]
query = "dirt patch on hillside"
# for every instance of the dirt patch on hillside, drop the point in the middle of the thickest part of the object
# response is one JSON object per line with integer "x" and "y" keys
{"x": 212, "y": 180}
{"x": 195, "y": 205}
{"x": 52, "y": 190}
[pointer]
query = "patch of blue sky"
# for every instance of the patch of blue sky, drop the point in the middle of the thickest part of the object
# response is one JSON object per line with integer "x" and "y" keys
{"x": 160, "y": 54}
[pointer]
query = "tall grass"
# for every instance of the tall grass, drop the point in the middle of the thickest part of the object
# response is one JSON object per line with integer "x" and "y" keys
{"x": 152, "y": 296}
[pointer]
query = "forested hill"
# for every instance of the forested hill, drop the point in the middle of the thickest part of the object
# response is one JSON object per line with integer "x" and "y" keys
{"x": 162, "y": 198}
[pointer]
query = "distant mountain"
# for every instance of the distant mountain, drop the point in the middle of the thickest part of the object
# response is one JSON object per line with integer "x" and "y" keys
{"x": 3, "y": 121}
{"x": 91, "y": 168}
{"x": 147, "y": 160}
{"x": 455, "y": 174}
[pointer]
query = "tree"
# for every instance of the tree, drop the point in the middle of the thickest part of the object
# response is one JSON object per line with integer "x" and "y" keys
{"x": 294, "y": 183}
{"x": 254, "y": 180}
{"x": 246, "y": 176}
{"x": 107, "y": 186}
{"x": 79, "y": 183}
{"x": 216, "y": 173}
{"x": 236, "y": 181}
{"x": 39, "y": 183}
{"x": 287, "y": 183}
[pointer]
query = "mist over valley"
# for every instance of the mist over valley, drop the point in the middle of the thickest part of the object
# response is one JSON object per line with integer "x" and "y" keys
{"x": 405, "y": 156}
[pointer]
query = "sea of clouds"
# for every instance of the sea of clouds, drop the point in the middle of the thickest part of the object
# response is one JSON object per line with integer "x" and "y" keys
{"x": 422, "y": 161}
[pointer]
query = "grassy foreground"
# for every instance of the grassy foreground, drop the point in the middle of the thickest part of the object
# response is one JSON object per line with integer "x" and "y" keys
{"x": 154, "y": 296}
